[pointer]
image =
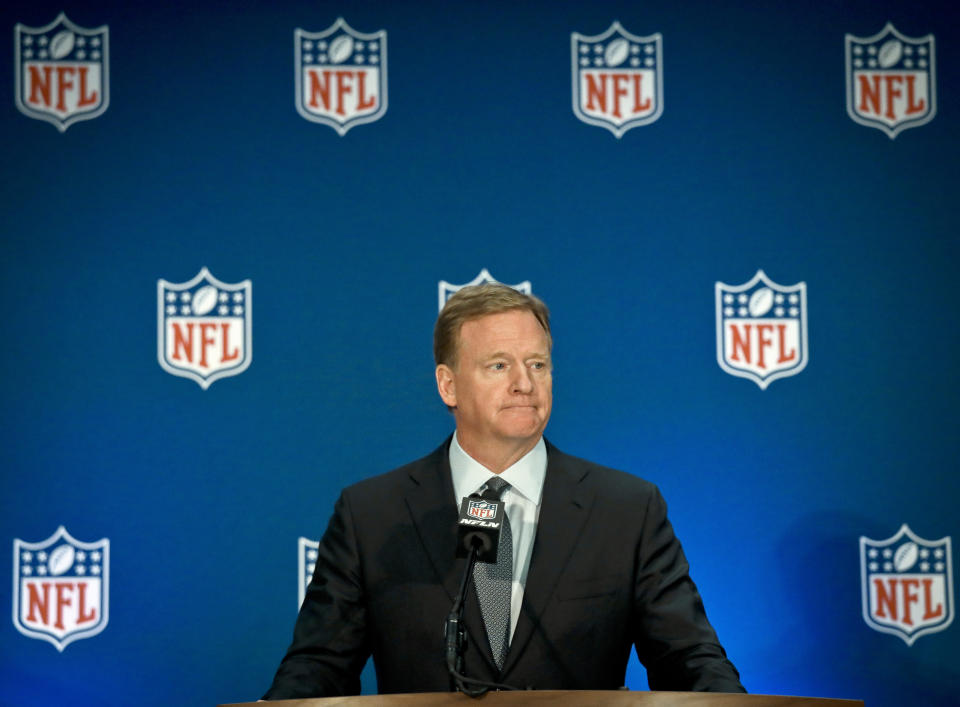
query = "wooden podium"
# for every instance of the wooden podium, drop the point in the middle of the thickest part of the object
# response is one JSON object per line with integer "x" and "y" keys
{"x": 563, "y": 698}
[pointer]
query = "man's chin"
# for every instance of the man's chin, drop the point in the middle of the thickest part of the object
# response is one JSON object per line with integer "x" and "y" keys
{"x": 520, "y": 430}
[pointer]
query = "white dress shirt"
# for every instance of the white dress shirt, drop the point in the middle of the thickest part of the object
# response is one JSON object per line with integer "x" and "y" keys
{"x": 522, "y": 499}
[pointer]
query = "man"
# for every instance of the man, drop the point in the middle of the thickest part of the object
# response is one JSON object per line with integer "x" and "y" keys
{"x": 593, "y": 565}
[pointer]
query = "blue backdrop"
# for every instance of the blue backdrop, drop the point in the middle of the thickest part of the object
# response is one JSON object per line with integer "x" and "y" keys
{"x": 201, "y": 159}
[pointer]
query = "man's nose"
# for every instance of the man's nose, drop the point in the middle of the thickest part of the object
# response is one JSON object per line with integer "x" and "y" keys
{"x": 522, "y": 381}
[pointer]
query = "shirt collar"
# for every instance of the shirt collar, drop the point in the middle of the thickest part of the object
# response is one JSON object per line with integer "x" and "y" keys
{"x": 525, "y": 476}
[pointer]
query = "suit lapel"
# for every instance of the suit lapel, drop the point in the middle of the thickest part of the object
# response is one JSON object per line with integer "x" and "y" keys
{"x": 434, "y": 515}
{"x": 564, "y": 509}
{"x": 433, "y": 511}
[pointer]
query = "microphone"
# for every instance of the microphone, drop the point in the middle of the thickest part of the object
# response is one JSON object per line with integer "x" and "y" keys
{"x": 481, "y": 518}
{"x": 478, "y": 535}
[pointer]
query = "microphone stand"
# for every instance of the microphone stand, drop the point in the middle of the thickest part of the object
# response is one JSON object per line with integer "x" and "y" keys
{"x": 455, "y": 637}
{"x": 454, "y": 632}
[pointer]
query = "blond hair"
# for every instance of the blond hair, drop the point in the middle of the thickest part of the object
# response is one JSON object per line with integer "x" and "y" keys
{"x": 473, "y": 302}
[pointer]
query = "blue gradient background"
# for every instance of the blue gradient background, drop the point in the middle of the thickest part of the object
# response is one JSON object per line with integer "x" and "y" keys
{"x": 202, "y": 160}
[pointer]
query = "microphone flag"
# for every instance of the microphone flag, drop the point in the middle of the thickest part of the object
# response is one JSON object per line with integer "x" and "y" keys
{"x": 480, "y": 522}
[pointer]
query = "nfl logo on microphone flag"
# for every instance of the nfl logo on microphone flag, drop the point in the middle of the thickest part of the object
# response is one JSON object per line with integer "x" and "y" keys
{"x": 481, "y": 509}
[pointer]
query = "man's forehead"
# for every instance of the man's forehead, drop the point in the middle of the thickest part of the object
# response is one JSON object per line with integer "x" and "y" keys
{"x": 496, "y": 332}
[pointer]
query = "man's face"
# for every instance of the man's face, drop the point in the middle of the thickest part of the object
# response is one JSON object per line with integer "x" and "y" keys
{"x": 502, "y": 386}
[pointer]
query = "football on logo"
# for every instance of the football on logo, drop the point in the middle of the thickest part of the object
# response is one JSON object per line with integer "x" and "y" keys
{"x": 891, "y": 80}
{"x": 204, "y": 328}
{"x": 906, "y": 584}
{"x": 61, "y": 71}
{"x": 617, "y": 79}
{"x": 340, "y": 75}
{"x": 61, "y": 588}
{"x": 484, "y": 277}
{"x": 762, "y": 329}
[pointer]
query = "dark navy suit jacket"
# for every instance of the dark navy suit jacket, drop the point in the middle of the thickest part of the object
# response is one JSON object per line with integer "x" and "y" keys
{"x": 606, "y": 573}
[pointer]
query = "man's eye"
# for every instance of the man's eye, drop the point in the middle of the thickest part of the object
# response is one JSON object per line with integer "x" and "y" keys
{"x": 539, "y": 365}
{"x": 499, "y": 366}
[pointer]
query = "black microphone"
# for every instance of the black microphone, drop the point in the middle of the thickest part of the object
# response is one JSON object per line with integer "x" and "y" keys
{"x": 478, "y": 535}
{"x": 481, "y": 518}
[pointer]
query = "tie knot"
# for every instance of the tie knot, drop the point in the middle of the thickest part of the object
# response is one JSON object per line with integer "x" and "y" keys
{"x": 497, "y": 486}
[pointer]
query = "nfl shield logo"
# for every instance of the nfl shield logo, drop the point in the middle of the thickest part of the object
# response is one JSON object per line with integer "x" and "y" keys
{"x": 891, "y": 80}
{"x": 762, "y": 329}
{"x": 341, "y": 75}
{"x": 617, "y": 78}
{"x": 204, "y": 328}
{"x": 447, "y": 289}
{"x": 481, "y": 509}
{"x": 61, "y": 588}
{"x": 61, "y": 71}
{"x": 906, "y": 584}
{"x": 306, "y": 562}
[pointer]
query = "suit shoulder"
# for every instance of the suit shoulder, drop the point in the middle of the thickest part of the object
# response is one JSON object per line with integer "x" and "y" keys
{"x": 606, "y": 480}
{"x": 397, "y": 480}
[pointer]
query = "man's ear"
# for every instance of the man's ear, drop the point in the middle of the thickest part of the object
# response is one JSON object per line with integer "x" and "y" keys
{"x": 446, "y": 386}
